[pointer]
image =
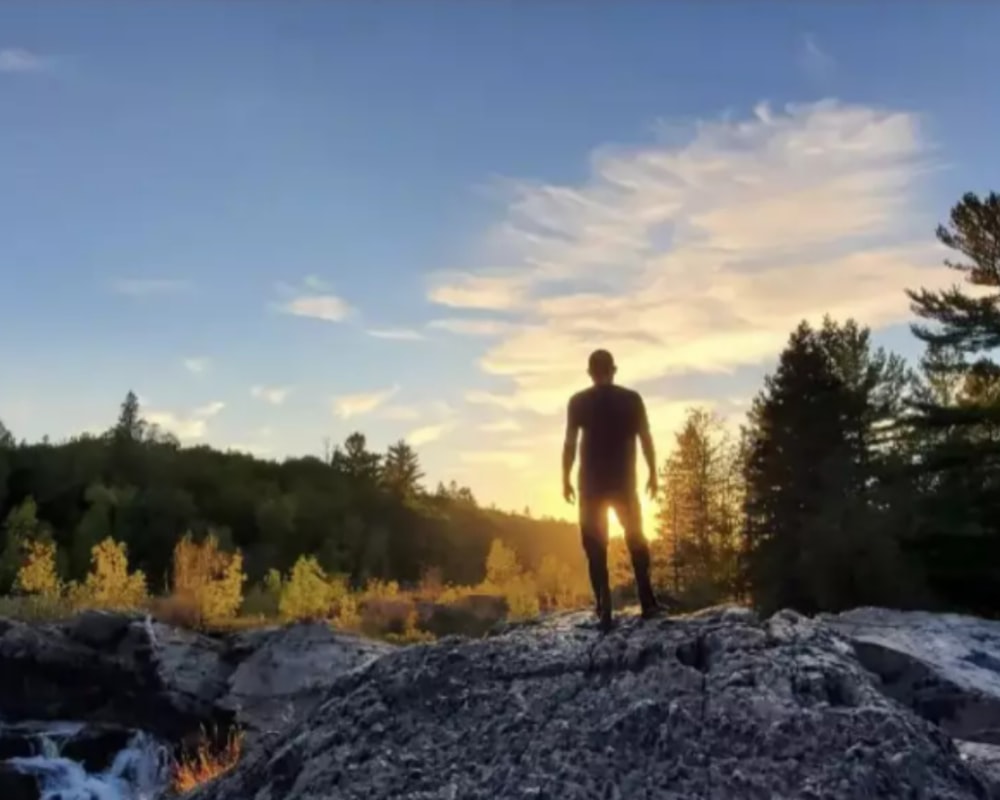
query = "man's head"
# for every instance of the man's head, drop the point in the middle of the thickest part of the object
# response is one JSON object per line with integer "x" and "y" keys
{"x": 601, "y": 367}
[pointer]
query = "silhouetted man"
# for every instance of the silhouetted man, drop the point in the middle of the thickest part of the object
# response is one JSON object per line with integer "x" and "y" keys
{"x": 610, "y": 417}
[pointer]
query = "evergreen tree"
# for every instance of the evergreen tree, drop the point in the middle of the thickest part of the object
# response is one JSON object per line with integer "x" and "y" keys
{"x": 956, "y": 418}
{"x": 815, "y": 533}
{"x": 401, "y": 472}
{"x": 6, "y": 438}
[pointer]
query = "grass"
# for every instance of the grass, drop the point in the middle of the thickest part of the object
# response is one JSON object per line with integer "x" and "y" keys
{"x": 207, "y": 761}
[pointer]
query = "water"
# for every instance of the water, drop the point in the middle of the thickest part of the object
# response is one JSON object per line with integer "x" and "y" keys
{"x": 139, "y": 772}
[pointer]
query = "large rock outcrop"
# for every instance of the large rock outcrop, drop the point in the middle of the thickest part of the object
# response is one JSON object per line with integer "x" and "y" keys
{"x": 717, "y": 705}
{"x": 132, "y": 672}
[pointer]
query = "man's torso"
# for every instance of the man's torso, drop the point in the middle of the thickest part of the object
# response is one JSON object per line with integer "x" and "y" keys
{"x": 609, "y": 418}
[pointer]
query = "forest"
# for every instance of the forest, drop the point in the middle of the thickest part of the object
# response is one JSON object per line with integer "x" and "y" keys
{"x": 856, "y": 478}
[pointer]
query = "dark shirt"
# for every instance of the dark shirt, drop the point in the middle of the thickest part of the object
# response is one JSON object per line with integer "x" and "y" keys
{"x": 610, "y": 418}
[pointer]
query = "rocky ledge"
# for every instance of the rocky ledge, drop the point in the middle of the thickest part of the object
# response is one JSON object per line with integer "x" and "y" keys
{"x": 132, "y": 672}
{"x": 716, "y": 705}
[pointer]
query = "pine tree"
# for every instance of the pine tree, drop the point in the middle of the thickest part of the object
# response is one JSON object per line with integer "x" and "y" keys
{"x": 401, "y": 472}
{"x": 130, "y": 425}
{"x": 814, "y": 529}
{"x": 956, "y": 419}
{"x": 356, "y": 460}
{"x": 6, "y": 438}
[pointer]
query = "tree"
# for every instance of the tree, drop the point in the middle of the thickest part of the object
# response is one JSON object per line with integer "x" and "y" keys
{"x": 356, "y": 461}
{"x": 814, "y": 532}
{"x": 501, "y": 565}
{"x": 21, "y": 529}
{"x": 37, "y": 574}
{"x": 401, "y": 472}
{"x": 699, "y": 512}
{"x": 130, "y": 425}
{"x": 6, "y": 438}
{"x": 307, "y": 593}
{"x": 109, "y": 584}
{"x": 955, "y": 422}
{"x": 208, "y": 578}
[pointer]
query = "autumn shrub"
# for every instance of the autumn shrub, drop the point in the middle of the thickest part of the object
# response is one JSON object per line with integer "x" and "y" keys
{"x": 109, "y": 584}
{"x": 307, "y": 593}
{"x": 208, "y": 577}
{"x": 37, "y": 574}
{"x": 521, "y": 594}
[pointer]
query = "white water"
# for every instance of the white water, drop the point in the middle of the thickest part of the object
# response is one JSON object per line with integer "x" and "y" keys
{"x": 139, "y": 772}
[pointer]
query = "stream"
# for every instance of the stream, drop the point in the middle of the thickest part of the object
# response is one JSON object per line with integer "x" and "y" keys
{"x": 73, "y": 761}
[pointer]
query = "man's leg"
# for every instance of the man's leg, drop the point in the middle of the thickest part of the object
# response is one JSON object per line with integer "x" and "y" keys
{"x": 594, "y": 533}
{"x": 629, "y": 513}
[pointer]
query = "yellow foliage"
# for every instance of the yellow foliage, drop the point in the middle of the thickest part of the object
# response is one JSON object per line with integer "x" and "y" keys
{"x": 109, "y": 583}
{"x": 522, "y": 598}
{"x": 37, "y": 574}
{"x": 501, "y": 564}
{"x": 208, "y": 577}
{"x": 557, "y": 584}
{"x": 377, "y": 589}
{"x": 307, "y": 593}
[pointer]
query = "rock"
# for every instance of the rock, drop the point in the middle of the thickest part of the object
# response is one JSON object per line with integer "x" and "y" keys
{"x": 129, "y": 671}
{"x": 16, "y": 786}
{"x": 946, "y": 667}
{"x": 283, "y": 672}
{"x": 716, "y": 705}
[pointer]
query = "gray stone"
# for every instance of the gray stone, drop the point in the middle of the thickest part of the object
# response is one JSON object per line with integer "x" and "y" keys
{"x": 716, "y": 705}
{"x": 946, "y": 667}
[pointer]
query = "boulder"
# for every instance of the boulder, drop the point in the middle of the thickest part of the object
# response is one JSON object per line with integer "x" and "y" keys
{"x": 281, "y": 673}
{"x": 714, "y": 705}
{"x": 946, "y": 667}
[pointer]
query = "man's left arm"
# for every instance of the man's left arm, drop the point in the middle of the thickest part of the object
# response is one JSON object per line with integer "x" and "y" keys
{"x": 569, "y": 451}
{"x": 648, "y": 451}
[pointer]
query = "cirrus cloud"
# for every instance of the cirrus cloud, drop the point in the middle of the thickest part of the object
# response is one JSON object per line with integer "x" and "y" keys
{"x": 701, "y": 255}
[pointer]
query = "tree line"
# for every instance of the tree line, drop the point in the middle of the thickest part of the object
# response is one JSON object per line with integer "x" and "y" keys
{"x": 855, "y": 479}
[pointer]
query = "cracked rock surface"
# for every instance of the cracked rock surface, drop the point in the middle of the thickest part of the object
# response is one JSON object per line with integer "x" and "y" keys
{"x": 715, "y": 705}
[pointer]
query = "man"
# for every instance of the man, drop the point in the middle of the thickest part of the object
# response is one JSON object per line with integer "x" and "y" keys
{"x": 610, "y": 417}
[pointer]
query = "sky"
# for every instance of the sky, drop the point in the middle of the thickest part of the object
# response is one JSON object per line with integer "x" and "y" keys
{"x": 279, "y": 223}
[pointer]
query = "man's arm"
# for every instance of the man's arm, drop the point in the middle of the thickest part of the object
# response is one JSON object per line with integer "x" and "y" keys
{"x": 569, "y": 451}
{"x": 648, "y": 451}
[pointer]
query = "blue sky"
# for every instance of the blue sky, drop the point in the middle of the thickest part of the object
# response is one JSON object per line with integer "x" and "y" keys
{"x": 283, "y": 222}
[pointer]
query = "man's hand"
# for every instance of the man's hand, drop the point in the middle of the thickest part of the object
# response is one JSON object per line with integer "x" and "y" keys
{"x": 569, "y": 494}
{"x": 652, "y": 486}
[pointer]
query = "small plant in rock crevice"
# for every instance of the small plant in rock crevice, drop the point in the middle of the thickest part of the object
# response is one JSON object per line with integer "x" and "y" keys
{"x": 207, "y": 760}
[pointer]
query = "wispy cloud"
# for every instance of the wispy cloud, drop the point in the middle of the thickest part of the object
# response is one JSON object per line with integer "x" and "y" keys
{"x": 703, "y": 255}
{"x": 428, "y": 433}
{"x": 816, "y": 62}
{"x": 143, "y": 287}
{"x": 275, "y": 395}
{"x": 197, "y": 365}
{"x": 471, "y": 327}
{"x": 469, "y": 290}
{"x": 18, "y": 59}
{"x": 400, "y": 413}
{"x": 355, "y": 405}
{"x": 314, "y": 299}
{"x": 401, "y": 334}
{"x": 506, "y": 425}
{"x": 186, "y": 426}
